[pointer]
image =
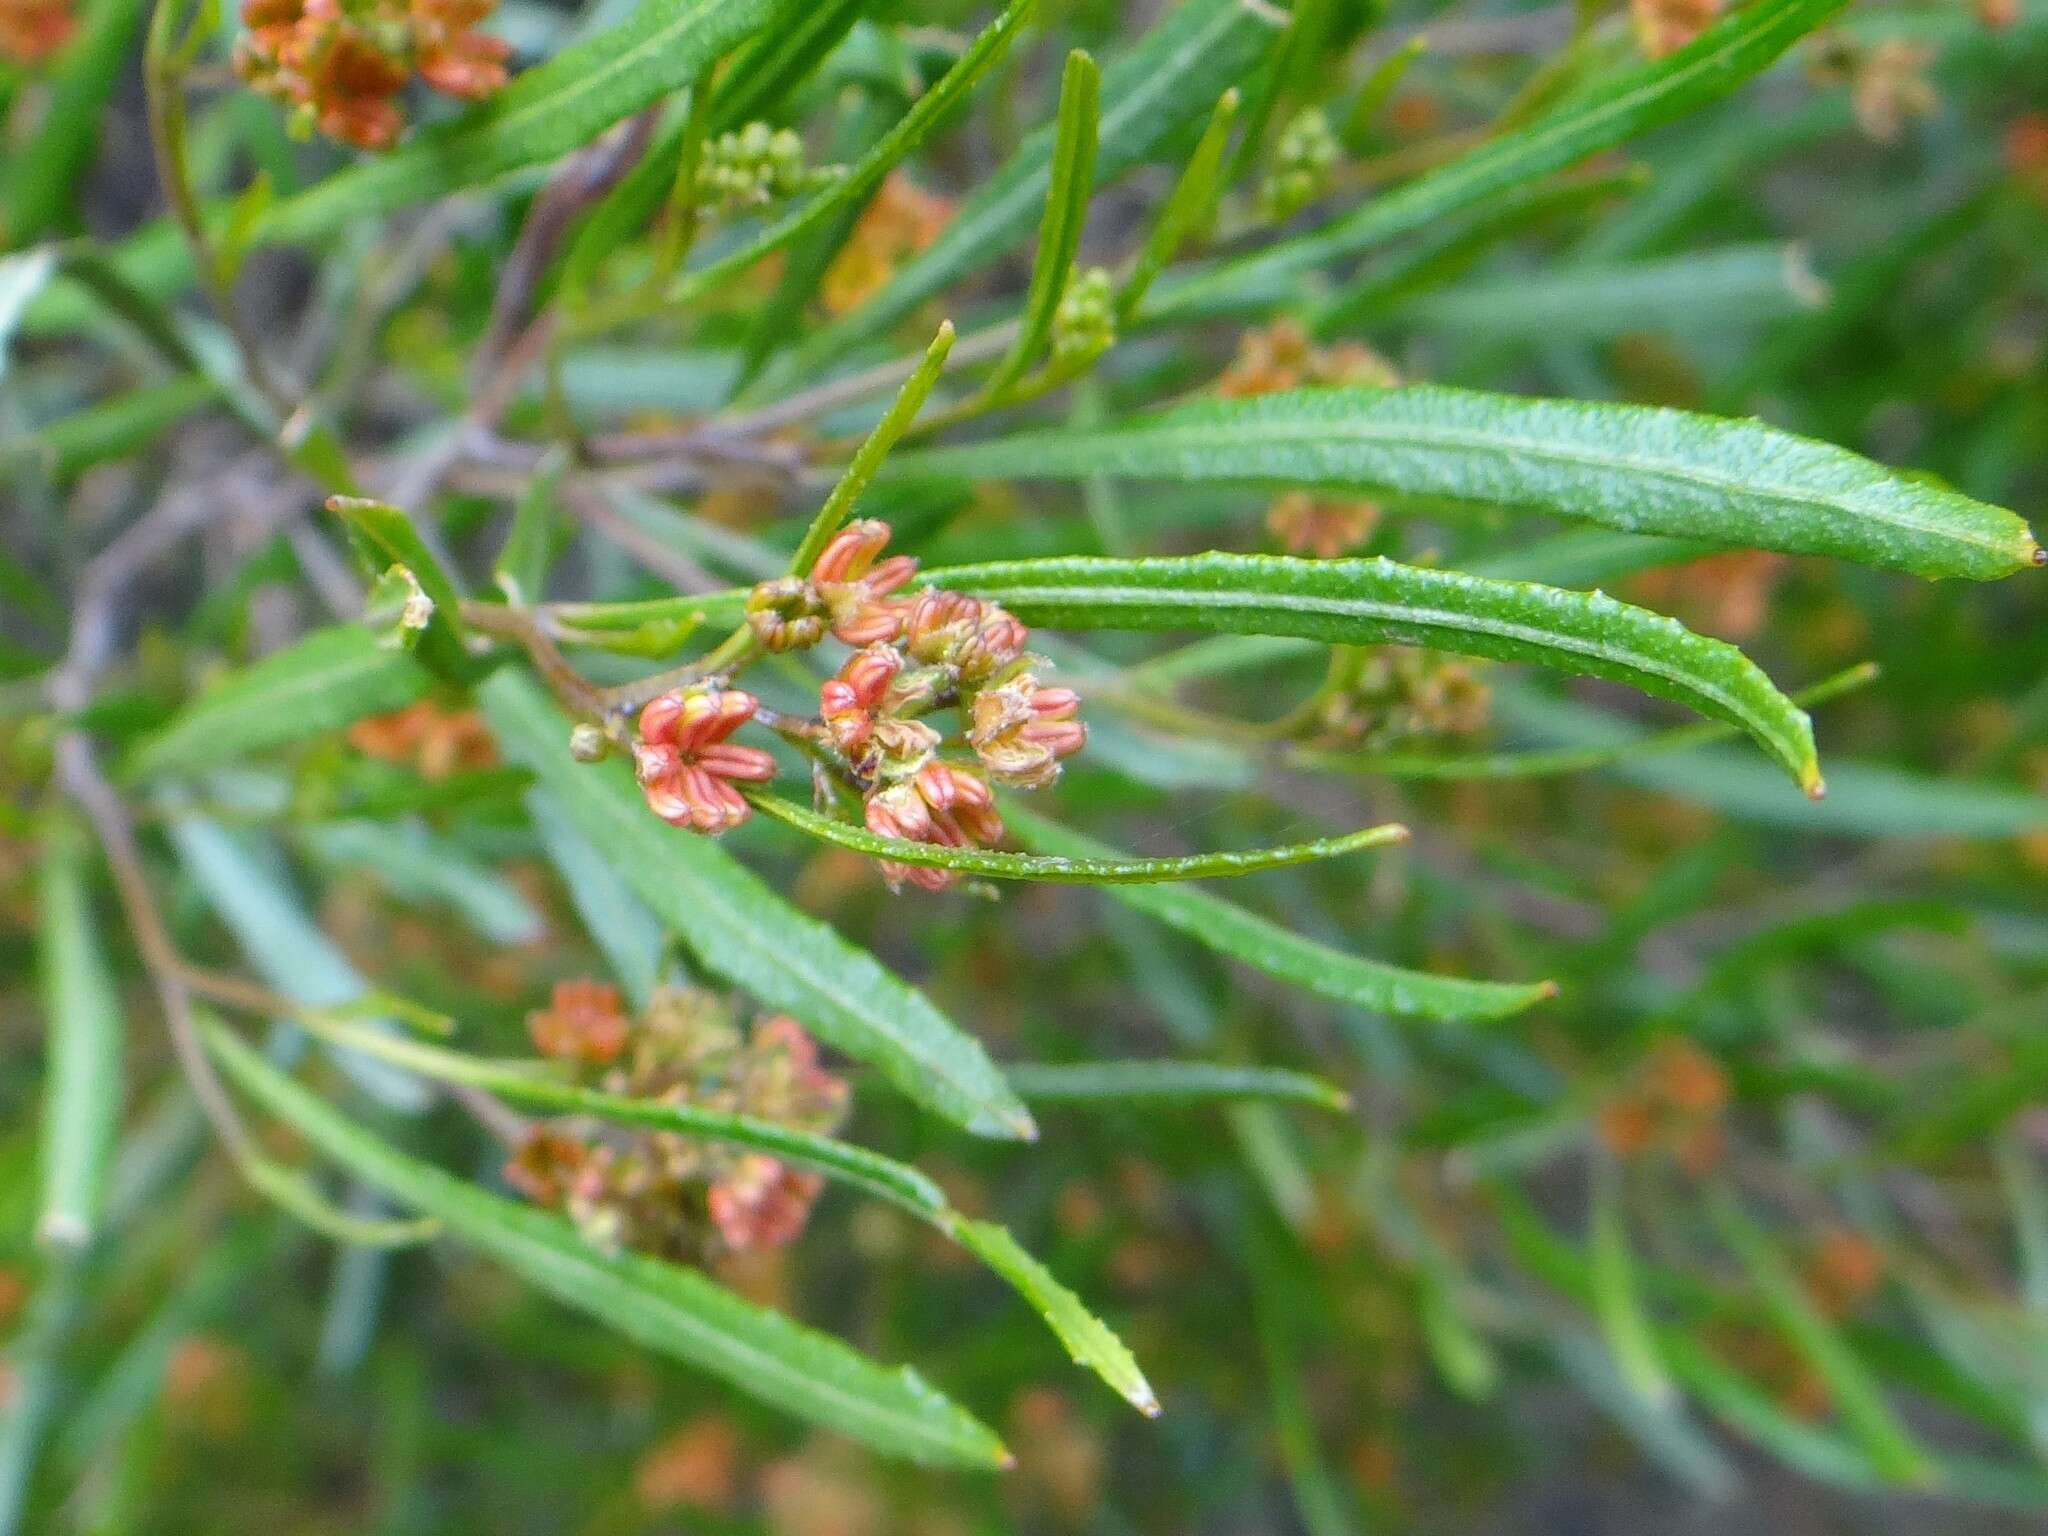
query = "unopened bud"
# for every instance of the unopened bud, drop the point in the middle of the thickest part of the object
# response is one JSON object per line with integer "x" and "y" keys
{"x": 1303, "y": 158}
{"x": 589, "y": 744}
{"x": 1084, "y": 325}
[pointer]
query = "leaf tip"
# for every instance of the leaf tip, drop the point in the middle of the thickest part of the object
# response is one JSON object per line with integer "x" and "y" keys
{"x": 1810, "y": 780}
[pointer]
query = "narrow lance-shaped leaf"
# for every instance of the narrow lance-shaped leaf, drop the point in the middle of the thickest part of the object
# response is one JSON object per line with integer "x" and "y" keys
{"x": 1712, "y": 65}
{"x": 868, "y": 172}
{"x": 1617, "y": 1302}
{"x": 321, "y": 683}
{"x": 741, "y": 929}
{"x": 1061, "y": 869}
{"x": 82, "y": 1025}
{"x": 1066, "y": 212}
{"x": 624, "y": 930}
{"x": 1454, "y": 247}
{"x": 1150, "y": 93}
{"x": 763, "y": 74}
{"x": 1697, "y": 292}
{"x": 673, "y": 1311}
{"x": 44, "y": 174}
{"x": 1865, "y": 799}
{"x": 1087, "y": 1338}
{"x": 1245, "y": 936}
{"x": 1858, "y": 1398}
{"x": 242, "y": 877}
{"x": 385, "y": 534}
{"x": 868, "y": 457}
{"x": 522, "y": 568}
{"x": 1187, "y": 211}
{"x": 1643, "y": 469}
{"x": 1370, "y": 602}
{"x": 1361, "y": 122}
{"x": 1091, "y": 1344}
{"x": 533, "y": 1084}
{"x": 1168, "y": 1082}
{"x": 419, "y": 866}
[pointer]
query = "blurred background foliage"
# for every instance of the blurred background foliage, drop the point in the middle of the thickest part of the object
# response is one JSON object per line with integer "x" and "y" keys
{"x": 1749, "y": 1224}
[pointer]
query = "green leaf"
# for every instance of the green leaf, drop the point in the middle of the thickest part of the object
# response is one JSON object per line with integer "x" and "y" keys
{"x": 1173, "y": 1082}
{"x": 292, "y": 1191}
{"x": 82, "y": 1022}
{"x": 417, "y": 865}
{"x": 1092, "y": 1345}
{"x": 1642, "y": 469}
{"x": 1063, "y": 870}
{"x": 1696, "y": 292}
{"x": 1243, "y": 935}
{"x": 1149, "y": 95}
{"x": 1857, "y": 1397}
{"x": 1630, "y": 1335}
{"x": 241, "y": 876}
{"x": 873, "y": 450}
{"x": 522, "y": 569}
{"x": 1864, "y": 799}
{"x": 44, "y": 177}
{"x": 549, "y": 111}
{"x": 1453, "y": 248}
{"x": 867, "y": 173}
{"x": 1066, "y": 213}
{"x": 1712, "y": 65}
{"x": 1087, "y": 1339}
{"x": 618, "y": 921}
{"x": 1361, "y": 121}
{"x": 531, "y": 1083}
{"x": 761, "y": 76}
{"x": 672, "y": 1311}
{"x": 111, "y": 428}
{"x": 1368, "y": 602}
{"x": 321, "y": 683}
{"x": 739, "y": 928}
{"x": 1187, "y": 211}
{"x": 385, "y": 534}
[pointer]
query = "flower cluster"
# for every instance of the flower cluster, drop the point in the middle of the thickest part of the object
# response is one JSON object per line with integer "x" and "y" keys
{"x": 1397, "y": 693}
{"x": 32, "y": 30}
{"x": 656, "y": 1191}
{"x": 427, "y": 737}
{"x": 1323, "y": 526}
{"x": 1673, "y": 1103}
{"x": 1303, "y": 158}
{"x": 685, "y": 765}
{"x": 340, "y": 65}
{"x": 751, "y": 167}
{"x": 1887, "y": 80}
{"x": 916, "y": 654}
{"x": 1084, "y": 324}
{"x": 1282, "y": 357}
